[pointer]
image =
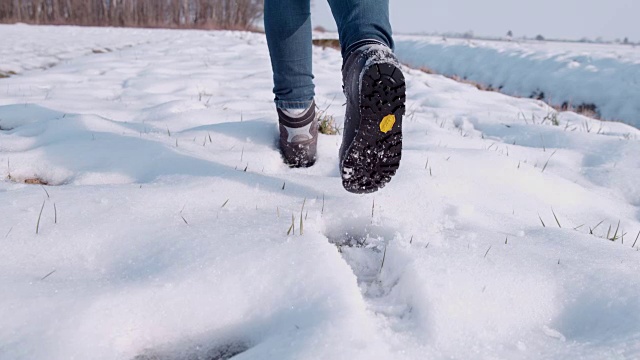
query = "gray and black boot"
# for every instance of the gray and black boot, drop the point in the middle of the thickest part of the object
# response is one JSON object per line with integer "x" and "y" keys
{"x": 299, "y": 137}
{"x": 372, "y": 139}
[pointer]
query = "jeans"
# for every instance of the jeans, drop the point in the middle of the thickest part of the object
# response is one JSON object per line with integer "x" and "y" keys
{"x": 287, "y": 25}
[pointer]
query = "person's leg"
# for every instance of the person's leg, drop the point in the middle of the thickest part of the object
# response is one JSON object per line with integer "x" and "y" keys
{"x": 361, "y": 22}
{"x": 375, "y": 90}
{"x": 287, "y": 25}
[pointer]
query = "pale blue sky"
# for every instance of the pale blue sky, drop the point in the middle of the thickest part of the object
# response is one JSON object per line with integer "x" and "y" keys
{"x": 571, "y": 19}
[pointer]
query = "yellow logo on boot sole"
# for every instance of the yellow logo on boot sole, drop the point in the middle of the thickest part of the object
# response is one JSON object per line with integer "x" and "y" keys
{"x": 387, "y": 123}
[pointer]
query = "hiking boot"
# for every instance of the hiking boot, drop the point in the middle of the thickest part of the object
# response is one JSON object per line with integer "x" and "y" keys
{"x": 372, "y": 138}
{"x": 298, "y": 136}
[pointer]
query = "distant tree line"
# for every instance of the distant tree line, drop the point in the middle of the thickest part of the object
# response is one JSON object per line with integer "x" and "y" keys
{"x": 218, "y": 14}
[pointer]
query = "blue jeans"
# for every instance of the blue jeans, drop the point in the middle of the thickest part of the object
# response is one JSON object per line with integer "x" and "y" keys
{"x": 287, "y": 24}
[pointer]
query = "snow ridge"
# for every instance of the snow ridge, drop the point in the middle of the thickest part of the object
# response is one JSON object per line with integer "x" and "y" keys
{"x": 607, "y": 76}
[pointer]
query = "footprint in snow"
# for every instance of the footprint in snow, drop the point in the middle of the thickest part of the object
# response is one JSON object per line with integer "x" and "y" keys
{"x": 364, "y": 247}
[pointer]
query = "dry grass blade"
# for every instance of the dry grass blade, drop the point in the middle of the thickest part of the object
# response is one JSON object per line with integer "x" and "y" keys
{"x": 595, "y": 227}
{"x": 301, "y": 218}
{"x": 634, "y": 243}
{"x": 540, "y": 217}
{"x": 292, "y": 228}
{"x": 615, "y": 235}
{"x": 35, "y": 181}
{"x": 45, "y": 191}
{"x": 489, "y": 249}
{"x": 373, "y": 207}
{"x": 555, "y": 217}
{"x": 55, "y": 214}
{"x": 39, "y": 217}
{"x": 49, "y": 274}
{"x": 224, "y": 204}
{"x": 327, "y": 124}
{"x": 384, "y": 256}
{"x": 547, "y": 163}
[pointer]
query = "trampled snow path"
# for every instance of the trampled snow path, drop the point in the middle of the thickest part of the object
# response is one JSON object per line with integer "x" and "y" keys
{"x": 163, "y": 233}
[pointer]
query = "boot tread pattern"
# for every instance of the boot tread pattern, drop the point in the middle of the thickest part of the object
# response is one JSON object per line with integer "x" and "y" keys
{"x": 374, "y": 156}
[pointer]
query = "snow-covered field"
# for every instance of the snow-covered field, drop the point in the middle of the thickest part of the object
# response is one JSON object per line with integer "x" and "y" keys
{"x": 24, "y": 48}
{"x": 163, "y": 231}
{"x": 607, "y": 76}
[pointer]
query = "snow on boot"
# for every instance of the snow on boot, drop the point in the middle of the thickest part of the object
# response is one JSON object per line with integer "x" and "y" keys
{"x": 372, "y": 139}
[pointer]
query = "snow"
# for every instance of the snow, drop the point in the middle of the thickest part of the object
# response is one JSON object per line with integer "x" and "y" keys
{"x": 606, "y": 75}
{"x": 59, "y": 45}
{"x": 163, "y": 230}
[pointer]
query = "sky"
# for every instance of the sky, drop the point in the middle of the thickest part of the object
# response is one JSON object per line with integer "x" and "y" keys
{"x": 565, "y": 19}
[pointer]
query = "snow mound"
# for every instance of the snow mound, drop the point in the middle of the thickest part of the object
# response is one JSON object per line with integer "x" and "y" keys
{"x": 603, "y": 78}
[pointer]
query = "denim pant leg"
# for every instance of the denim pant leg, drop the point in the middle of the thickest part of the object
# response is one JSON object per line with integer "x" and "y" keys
{"x": 287, "y": 25}
{"x": 360, "y": 22}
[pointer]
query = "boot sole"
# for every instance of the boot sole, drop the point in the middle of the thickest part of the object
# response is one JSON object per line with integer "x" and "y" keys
{"x": 374, "y": 155}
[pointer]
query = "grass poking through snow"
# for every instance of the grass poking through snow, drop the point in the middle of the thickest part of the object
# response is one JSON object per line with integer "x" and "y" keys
{"x": 40, "y": 217}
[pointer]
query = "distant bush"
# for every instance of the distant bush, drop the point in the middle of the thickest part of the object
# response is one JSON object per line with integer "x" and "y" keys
{"x": 586, "y": 109}
{"x": 540, "y": 38}
{"x": 221, "y": 14}
{"x": 327, "y": 43}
